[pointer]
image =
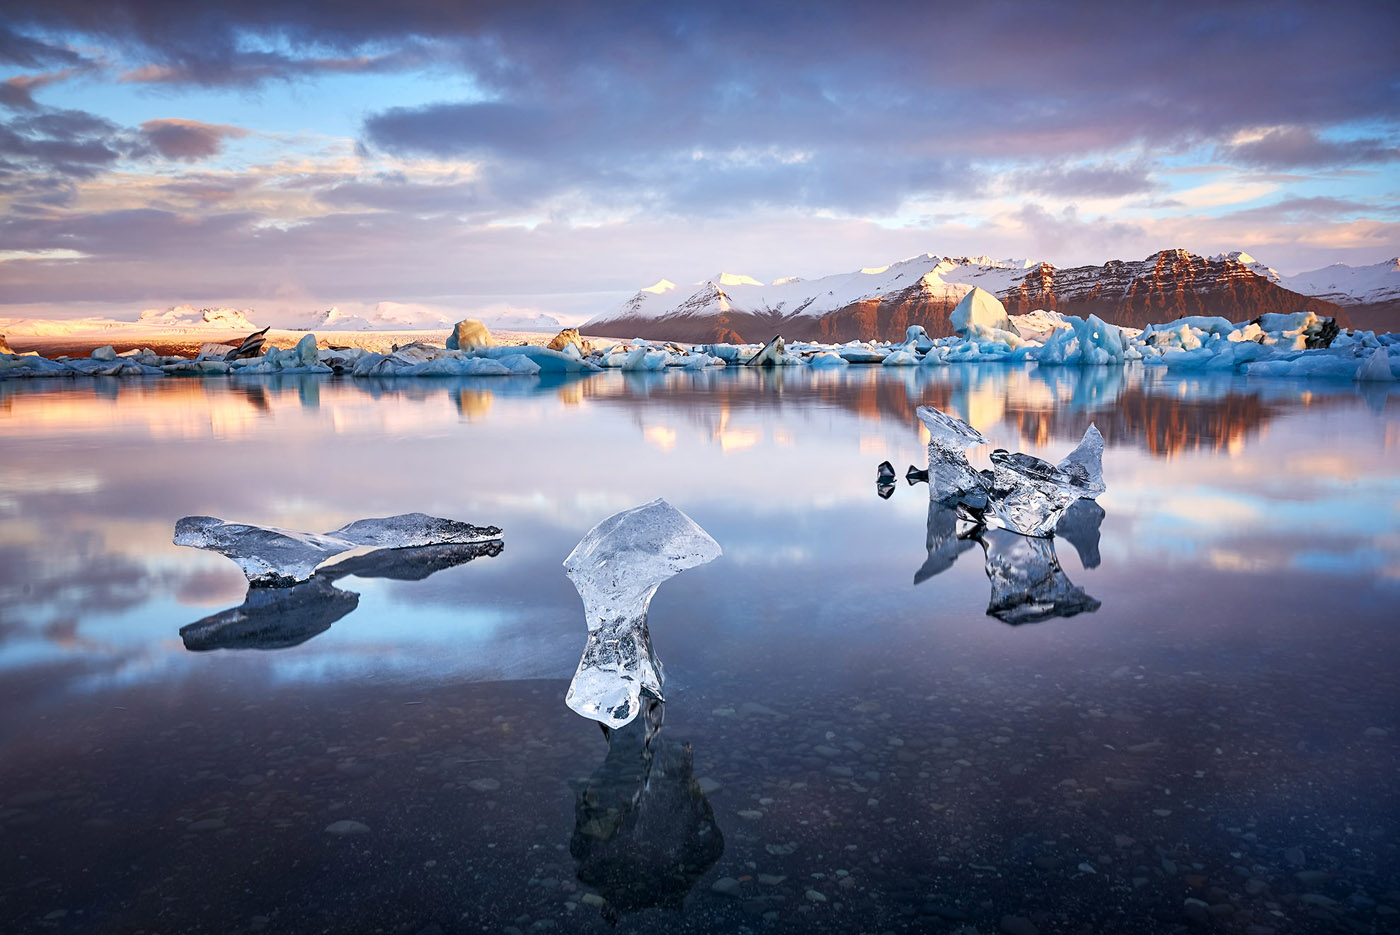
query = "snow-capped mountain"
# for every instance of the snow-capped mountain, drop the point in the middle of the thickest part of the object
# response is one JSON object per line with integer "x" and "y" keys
{"x": 396, "y": 316}
{"x": 881, "y": 302}
{"x": 1350, "y": 285}
{"x": 187, "y": 316}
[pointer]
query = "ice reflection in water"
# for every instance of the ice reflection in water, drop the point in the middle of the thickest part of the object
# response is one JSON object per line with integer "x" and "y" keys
{"x": 280, "y": 618}
{"x": 644, "y": 832}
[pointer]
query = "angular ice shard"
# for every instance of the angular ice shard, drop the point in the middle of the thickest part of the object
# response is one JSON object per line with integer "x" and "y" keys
{"x": 616, "y": 569}
{"x": 916, "y": 475}
{"x": 251, "y": 346}
{"x": 884, "y": 472}
{"x": 770, "y": 355}
{"x": 949, "y": 474}
{"x": 273, "y": 557}
{"x": 644, "y": 832}
{"x": 948, "y": 535}
{"x": 272, "y": 618}
{"x": 1376, "y": 368}
{"x": 413, "y": 529}
{"x": 1079, "y": 526}
{"x": 1028, "y": 494}
{"x": 269, "y": 556}
{"x": 1028, "y": 584}
{"x": 1085, "y": 463}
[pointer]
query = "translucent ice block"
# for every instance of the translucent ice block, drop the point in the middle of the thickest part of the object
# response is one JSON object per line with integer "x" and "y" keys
{"x": 616, "y": 569}
{"x": 1029, "y": 495}
{"x": 949, "y": 473}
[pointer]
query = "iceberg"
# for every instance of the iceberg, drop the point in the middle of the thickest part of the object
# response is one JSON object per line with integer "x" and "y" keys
{"x": 950, "y": 475}
{"x": 644, "y": 832}
{"x": 273, "y": 557}
{"x": 770, "y": 355}
{"x": 1085, "y": 463}
{"x": 980, "y": 314}
{"x": 616, "y": 569}
{"x": 1376, "y": 368}
{"x": 1029, "y": 495}
{"x": 1028, "y": 584}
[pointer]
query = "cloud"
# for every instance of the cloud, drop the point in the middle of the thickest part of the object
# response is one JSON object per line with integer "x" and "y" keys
{"x": 1302, "y": 148}
{"x": 17, "y": 93}
{"x": 1099, "y": 180}
{"x": 28, "y": 52}
{"x": 65, "y": 143}
{"x": 189, "y": 139}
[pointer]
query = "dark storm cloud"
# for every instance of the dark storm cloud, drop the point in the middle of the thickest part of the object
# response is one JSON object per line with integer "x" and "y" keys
{"x": 1302, "y": 148}
{"x": 67, "y": 143}
{"x": 188, "y": 139}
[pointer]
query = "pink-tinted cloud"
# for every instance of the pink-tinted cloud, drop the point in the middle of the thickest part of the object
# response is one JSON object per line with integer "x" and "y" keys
{"x": 188, "y": 140}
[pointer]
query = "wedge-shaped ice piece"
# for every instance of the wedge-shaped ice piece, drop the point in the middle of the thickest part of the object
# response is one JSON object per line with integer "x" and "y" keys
{"x": 272, "y": 618}
{"x": 412, "y": 529}
{"x": 1028, "y": 584}
{"x": 770, "y": 355}
{"x": 1027, "y": 494}
{"x": 269, "y": 556}
{"x": 644, "y": 833}
{"x": 616, "y": 569}
{"x": 1376, "y": 368}
{"x": 949, "y": 474}
{"x": 1084, "y": 464}
{"x": 273, "y": 557}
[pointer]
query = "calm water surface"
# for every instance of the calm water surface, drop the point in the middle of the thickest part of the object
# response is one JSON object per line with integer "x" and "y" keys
{"x": 850, "y": 742}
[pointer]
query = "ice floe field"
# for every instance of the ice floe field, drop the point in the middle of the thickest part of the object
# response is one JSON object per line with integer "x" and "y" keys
{"x": 881, "y": 712}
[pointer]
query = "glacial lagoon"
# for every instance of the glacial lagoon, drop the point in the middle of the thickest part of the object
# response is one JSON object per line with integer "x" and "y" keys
{"x": 862, "y": 731}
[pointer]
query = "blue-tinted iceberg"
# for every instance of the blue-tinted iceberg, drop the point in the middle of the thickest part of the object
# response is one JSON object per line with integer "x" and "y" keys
{"x": 616, "y": 569}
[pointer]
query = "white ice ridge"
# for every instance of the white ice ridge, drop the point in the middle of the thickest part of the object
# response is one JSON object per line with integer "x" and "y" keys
{"x": 274, "y": 557}
{"x": 616, "y": 569}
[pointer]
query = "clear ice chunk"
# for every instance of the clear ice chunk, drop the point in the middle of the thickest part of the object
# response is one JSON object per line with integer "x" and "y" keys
{"x": 274, "y": 557}
{"x": 644, "y": 833}
{"x": 1028, "y": 584}
{"x": 1085, "y": 463}
{"x": 950, "y": 475}
{"x": 1029, "y": 495}
{"x": 616, "y": 569}
{"x": 412, "y": 529}
{"x": 269, "y": 556}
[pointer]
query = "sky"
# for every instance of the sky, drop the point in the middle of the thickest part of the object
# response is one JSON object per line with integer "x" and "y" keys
{"x": 520, "y": 156}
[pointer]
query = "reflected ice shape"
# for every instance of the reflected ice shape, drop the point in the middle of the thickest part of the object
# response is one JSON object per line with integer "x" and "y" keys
{"x": 949, "y": 473}
{"x": 411, "y": 564}
{"x": 1085, "y": 463}
{"x": 272, "y": 618}
{"x": 273, "y": 557}
{"x": 279, "y": 618}
{"x": 1028, "y": 494}
{"x": 1079, "y": 526}
{"x": 1028, "y": 584}
{"x": 644, "y": 832}
{"x": 948, "y": 535}
{"x": 616, "y": 569}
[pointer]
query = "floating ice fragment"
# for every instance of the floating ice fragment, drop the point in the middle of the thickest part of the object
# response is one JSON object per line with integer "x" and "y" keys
{"x": 1085, "y": 463}
{"x": 1028, "y": 584}
{"x": 1028, "y": 494}
{"x": 273, "y": 557}
{"x": 884, "y": 472}
{"x": 1376, "y": 368}
{"x": 616, "y": 569}
{"x": 770, "y": 355}
{"x": 949, "y": 473}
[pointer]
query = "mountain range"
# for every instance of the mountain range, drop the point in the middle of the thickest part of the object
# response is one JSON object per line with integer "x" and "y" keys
{"x": 881, "y": 302}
